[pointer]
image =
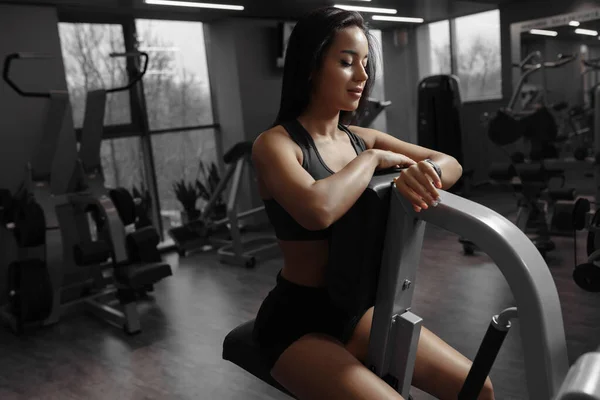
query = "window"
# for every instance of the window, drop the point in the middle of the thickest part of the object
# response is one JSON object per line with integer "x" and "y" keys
{"x": 177, "y": 156}
{"x": 440, "y": 61}
{"x": 477, "y": 52}
{"x": 178, "y": 100}
{"x": 123, "y": 163}
{"x": 176, "y": 84}
{"x": 86, "y": 52}
{"x": 468, "y": 47}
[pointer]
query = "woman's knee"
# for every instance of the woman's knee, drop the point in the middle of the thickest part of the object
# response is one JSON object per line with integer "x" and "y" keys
{"x": 487, "y": 392}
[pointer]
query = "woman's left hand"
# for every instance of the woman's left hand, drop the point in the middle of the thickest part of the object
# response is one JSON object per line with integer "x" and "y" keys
{"x": 418, "y": 184}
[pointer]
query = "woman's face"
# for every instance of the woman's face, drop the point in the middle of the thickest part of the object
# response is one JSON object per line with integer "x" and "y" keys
{"x": 342, "y": 76}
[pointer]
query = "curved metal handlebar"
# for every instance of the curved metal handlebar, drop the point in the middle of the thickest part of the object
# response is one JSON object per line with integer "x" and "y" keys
{"x": 523, "y": 64}
{"x": 531, "y": 68}
{"x": 562, "y": 60}
{"x": 140, "y": 74}
{"x": 592, "y": 63}
{"x": 22, "y": 56}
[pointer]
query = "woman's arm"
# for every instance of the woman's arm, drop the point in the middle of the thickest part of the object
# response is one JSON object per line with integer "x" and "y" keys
{"x": 374, "y": 139}
{"x": 314, "y": 204}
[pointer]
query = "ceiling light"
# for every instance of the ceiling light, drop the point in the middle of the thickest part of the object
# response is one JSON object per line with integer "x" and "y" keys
{"x": 574, "y": 23}
{"x": 397, "y": 19}
{"x": 543, "y": 32}
{"x": 194, "y": 4}
{"x": 367, "y": 9}
{"x": 586, "y": 32}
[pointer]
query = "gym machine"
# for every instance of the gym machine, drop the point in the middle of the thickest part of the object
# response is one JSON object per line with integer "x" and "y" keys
{"x": 83, "y": 234}
{"x": 439, "y": 124}
{"x": 372, "y": 111}
{"x": 201, "y": 232}
{"x": 391, "y": 235}
{"x": 581, "y": 117}
{"x": 32, "y": 208}
{"x": 587, "y": 274}
{"x": 536, "y": 124}
{"x": 90, "y": 143}
{"x": 543, "y": 210}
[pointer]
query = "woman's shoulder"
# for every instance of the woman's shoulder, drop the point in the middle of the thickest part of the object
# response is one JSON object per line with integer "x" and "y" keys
{"x": 276, "y": 134}
{"x": 274, "y": 139}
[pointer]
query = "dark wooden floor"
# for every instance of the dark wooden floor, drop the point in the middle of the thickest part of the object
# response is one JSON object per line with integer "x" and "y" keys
{"x": 178, "y": 356}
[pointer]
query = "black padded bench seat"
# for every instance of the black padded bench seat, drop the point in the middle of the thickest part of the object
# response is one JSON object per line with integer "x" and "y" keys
{"x": 240, "y": 349}
{"x": 138, "y": 275}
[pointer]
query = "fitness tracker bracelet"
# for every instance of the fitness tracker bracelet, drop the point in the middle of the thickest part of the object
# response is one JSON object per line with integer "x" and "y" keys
{"x": 437, "y": 168}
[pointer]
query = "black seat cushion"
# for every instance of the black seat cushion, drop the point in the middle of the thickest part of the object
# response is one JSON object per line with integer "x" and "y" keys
{"x": 138, "y": 275}
{"x": 243, "y": 351}
{"x": 240, "y": 349}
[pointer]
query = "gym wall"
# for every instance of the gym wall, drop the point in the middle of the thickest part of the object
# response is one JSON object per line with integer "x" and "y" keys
{"x": 401, "y": 74}
{"x": 245, "y": 86}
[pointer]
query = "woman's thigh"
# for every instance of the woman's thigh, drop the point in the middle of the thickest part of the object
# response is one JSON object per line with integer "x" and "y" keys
{"x": 316, "y": 366}
{"x": 440, "y": 370}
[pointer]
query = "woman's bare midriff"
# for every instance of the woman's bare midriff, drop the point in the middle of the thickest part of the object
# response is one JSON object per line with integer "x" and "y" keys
{"x": 304, "y": 261}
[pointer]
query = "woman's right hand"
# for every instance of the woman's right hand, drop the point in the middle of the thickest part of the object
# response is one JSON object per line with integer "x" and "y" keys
{"x": 388, "y": 159}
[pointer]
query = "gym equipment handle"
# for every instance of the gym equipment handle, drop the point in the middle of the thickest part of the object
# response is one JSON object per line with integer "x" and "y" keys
{"x": 140, "y": 74}
{"x": 486, "y": 355}
{"x": 6, "y": 72}
{"x": 562, "y": 60}
{"x": 583, "y": 380}
{"x": 527, "y": 59}
{"x": 592, "y": 63}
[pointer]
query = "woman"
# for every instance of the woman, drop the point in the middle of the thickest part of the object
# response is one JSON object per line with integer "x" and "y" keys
{"x": 311, "y": 169}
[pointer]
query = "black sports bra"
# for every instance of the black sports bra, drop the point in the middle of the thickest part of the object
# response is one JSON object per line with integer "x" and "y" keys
{"x": 286, "y": 227}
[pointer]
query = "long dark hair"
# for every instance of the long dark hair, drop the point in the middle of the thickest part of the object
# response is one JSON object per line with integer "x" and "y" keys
{"x": 311, "y": 37}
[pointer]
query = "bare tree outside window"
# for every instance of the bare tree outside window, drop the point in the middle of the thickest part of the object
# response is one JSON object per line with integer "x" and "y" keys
{"x": 440, "y": 61}
{"x": 478, "y": 56}
{"x": 88, "y": 66}
{"x": 86, "y": 50}
{"x": 177, "y": 95}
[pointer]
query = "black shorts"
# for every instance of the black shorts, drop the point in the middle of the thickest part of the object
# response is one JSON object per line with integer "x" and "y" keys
{"x": 291, "y": 311}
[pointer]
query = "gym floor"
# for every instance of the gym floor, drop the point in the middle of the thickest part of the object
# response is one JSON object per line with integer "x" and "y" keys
{"x": 178, "y": 354}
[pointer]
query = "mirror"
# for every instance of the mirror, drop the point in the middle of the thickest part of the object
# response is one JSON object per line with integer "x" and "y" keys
{"x": 569, "y": 56}
{"x": 570, "y": 82}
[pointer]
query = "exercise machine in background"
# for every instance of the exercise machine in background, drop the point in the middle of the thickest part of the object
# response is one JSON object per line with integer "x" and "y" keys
{"x": 439, "y": 122}
{"x": 391, "y": 237}
{"x": 90, "y": 144}
{"x": 84, "y": 236}
{"x": 373, "y": 110}
{"x": 207, "y": 231}
{"x": 587, "y": 274}
{"x": 545, "y": 204}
